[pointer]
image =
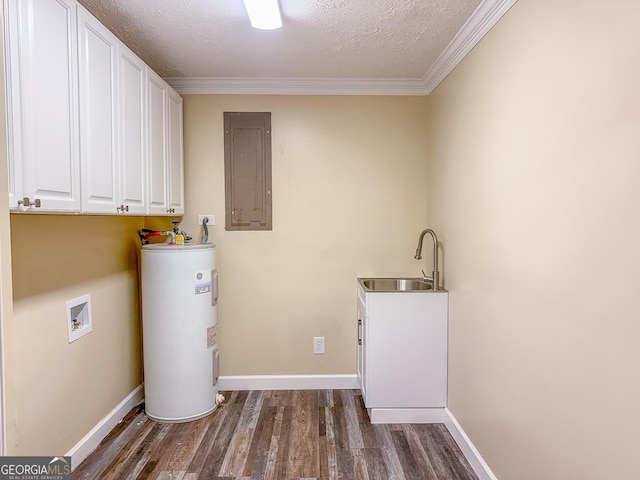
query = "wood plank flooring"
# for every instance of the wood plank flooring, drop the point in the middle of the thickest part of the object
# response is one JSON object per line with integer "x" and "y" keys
{"x": 277, "y": 435}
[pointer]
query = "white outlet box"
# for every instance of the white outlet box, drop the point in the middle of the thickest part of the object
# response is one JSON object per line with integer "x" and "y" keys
{"x": 318, "y": 345}
{"x": 79, "y": 317}
{"x": 210, "y": 220}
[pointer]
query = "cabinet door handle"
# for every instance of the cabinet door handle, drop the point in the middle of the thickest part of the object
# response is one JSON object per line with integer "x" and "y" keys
{"x": 359, "y": 331}
{"x": 25, "y": 202}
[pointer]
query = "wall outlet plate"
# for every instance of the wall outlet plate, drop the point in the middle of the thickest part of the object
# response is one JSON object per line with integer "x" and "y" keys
{"x": 210, "y": 218}
{"x": 318, "y": 345}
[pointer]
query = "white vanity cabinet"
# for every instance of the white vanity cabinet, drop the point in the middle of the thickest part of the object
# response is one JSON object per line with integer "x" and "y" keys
{"x": 42, "y": 101}
{"x": 402, "y": 354}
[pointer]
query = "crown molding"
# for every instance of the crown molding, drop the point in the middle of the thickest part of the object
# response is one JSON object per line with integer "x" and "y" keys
{"x": 297, "y": 86}
{"x": 481, "y": 21}
{"x": 477, "y": 26}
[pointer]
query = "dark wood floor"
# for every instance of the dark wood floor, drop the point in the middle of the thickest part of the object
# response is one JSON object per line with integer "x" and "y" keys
{"x": 277, "y": 435}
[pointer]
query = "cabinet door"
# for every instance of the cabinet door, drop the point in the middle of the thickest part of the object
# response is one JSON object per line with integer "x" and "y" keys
{"x": 175, "y": 167}
{"x": 133, "y": 165}
{"x": 12, "y": 87}
{"x": 157, "y": 143}
{"x": 362, "y": 322}
{"x": 45, "y": 101}
{"x": 406, "y": 355}
{"x": 98, "y": 65}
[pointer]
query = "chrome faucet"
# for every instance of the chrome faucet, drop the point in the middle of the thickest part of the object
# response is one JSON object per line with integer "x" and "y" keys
{"x": 436, "y": 275}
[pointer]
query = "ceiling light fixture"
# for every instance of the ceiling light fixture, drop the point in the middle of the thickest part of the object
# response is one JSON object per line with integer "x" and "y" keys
{"x": 263, "y": 14}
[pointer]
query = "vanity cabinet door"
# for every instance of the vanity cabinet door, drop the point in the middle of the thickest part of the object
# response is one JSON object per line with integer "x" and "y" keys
{"x": 362, "y": 321}
{"x": 405, "y": 350}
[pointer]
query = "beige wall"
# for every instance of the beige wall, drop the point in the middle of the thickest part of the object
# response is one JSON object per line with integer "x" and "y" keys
{"x": 349, "y": 195}
{"x": 63, "y": 390}
{"x": 534, "y": 178}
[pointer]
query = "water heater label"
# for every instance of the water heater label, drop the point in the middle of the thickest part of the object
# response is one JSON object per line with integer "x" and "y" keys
{"x": 211, "y": 337}
{"x": 203, "y": 281}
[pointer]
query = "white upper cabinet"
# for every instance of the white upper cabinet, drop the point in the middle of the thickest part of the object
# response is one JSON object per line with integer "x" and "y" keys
{"x": 91, "y": 129}
{"x": 157, "y": 143}
{"x": 133, "y": 159}
{"x": 164, "y": 148}
{"x": 112, "y": 127}
{"x": 175, "y": 186}
{"x": 98, "y": 79}
{"x": 43, "y": 104}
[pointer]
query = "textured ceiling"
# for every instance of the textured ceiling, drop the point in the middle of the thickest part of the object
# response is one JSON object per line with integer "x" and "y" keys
{"x": 320, "y": 39}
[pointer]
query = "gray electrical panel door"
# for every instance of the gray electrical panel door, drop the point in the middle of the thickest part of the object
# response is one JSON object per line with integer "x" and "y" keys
{"x": 247, "y": 170}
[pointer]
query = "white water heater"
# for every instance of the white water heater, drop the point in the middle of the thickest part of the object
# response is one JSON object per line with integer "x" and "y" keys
{"x": 179, "y": 320}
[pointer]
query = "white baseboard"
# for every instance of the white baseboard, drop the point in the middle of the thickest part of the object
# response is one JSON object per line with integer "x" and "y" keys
{"x": 287, "y": 382}
{"x": 92, "y": 439}
{"x": 406, "y": 415}
{"x": 470, "y": 452}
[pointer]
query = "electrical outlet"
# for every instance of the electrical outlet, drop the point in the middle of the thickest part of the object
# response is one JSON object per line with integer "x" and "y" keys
{"x": 318, "y": 345}
{"x": 210, "y": 220}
